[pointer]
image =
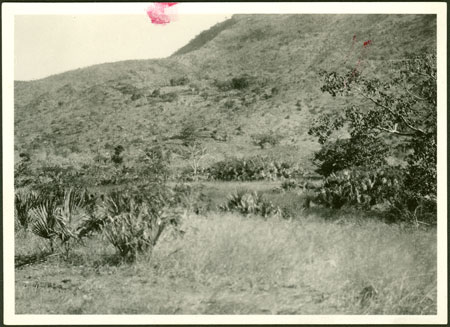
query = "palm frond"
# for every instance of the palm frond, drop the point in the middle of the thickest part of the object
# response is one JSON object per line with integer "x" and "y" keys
{"x": 44, "y": 220}
{"x": 23, "y": 202}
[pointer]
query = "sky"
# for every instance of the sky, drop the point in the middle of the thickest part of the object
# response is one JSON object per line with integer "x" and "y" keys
{"x": 49, "y": 44}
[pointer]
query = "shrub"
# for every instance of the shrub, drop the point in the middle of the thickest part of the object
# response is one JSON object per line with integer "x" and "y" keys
{"x": 250, "y": 203}
{"x": 222, "y": 85}
{"x": 45, "y": 221}
{"x": 414, "y": 209}
{"x": 117, "y": 158}
{"x": 266, "y": 138}
{"x": 23, "y": 175}
{"x": 236, "y": 83}
{"x": 155, "y": 165}
{"x": 190, "y": 132}
{"x": 57, "y": 217}
{"x": 252, "y": 169}
{"x": 290, "y": 184}
{"x": 132, "y": 224}
{"x": 24, "y": 201}
{"x": 179, "y": 81}
{"x": 240, "y": 83}
{"x": 361, "y": 187}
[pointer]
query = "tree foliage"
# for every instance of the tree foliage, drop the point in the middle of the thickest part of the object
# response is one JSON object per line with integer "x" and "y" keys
{"x": 400, "y": 110}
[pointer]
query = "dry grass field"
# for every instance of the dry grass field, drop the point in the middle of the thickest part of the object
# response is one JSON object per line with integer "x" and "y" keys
{"x": 230, "y": 264}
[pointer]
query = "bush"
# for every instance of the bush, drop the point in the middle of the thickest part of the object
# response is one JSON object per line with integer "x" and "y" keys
{"x": 179, "y": 81}
{"x": 385, "y": 189}
{"x": 236, "y": 83}
{"x": 250, "y": 203}
{"x": 154, "y": 165}
{"x": 266, "y": 138}
{"x": 290, "y": 184}
{"x": 23, "y": 175}
{"x": 117, "y": 158}
{"x": 361, "y": 187}
{"x": 132, "y": 224}
{"x": 240, "y": 83}
{"x": 24, "y": 201}
{"x": 414, "y": 209}
{"x": 252, "y": 169}
{"x": 57, "y": 217}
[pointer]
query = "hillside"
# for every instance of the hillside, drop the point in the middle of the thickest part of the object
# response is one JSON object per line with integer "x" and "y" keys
{"x": 250, "y": 74}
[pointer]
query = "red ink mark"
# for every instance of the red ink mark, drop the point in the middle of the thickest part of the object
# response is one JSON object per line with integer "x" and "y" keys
{"x": 361, "y": 57}
{"x": 351, "y": 49}
{"x": 355, "y": 70}
{"x": 156, "y": 12}
{"x": 368, "y": 42}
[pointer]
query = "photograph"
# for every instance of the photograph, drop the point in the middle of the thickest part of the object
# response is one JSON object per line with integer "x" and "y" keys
{"x": 224, "y": 163}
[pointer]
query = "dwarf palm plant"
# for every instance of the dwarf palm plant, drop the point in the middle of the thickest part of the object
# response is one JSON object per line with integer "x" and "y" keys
{"x": 54, "y": 218}
{"x": 45, "y": 220}
{"x": 70, "y": 209}
{"x": 23, "y": 202}
{"x": 133, "y": 226}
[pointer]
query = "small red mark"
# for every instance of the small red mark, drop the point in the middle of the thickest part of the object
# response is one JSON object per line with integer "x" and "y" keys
{"x": 363, "y": 53}
{"x": 368, "y": 42}
{"x": 351, "y": 49}
{"x": 156, "y": 12}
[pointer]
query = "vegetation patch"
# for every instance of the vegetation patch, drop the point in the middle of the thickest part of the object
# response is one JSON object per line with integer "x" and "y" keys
{"x": 252, "y": 169}
{"x": 250, "y": 203}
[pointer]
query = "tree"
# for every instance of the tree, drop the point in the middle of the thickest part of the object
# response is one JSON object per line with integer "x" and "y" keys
{"x": 381, "y": 114}
{"x": 195, "y": 153}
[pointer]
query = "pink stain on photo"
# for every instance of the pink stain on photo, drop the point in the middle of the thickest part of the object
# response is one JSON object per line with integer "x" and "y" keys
{"x": 156, "y": 12}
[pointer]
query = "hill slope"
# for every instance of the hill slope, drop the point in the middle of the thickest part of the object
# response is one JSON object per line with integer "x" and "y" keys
{"x": 250, "y": 74}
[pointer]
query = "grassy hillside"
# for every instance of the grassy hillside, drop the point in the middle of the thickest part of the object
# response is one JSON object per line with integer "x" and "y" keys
{"x": 82, "y": 113}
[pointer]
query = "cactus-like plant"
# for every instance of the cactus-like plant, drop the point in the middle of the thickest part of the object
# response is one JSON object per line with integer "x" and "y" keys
{"x": 250, "y": 203}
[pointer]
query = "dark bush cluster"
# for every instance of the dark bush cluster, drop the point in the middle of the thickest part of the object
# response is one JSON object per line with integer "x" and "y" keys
{"x": 361, "y": 187}
{"x": 385, "y": 189}
{"x": 236, "y": 83}
{"x": 253, "y": 169}
{"x": 179, "y": 81}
